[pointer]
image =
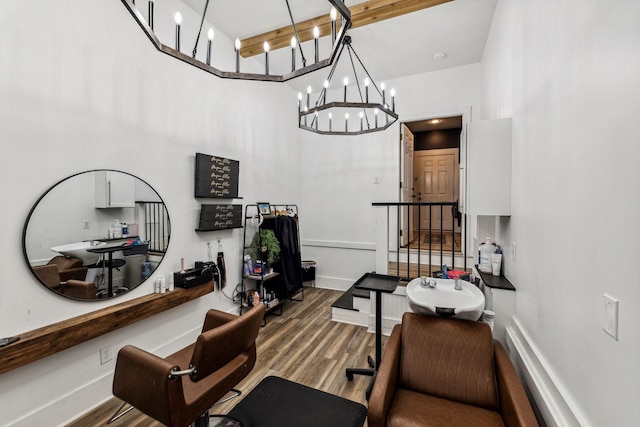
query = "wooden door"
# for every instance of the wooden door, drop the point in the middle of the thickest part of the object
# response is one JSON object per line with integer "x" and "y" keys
{"x": 406, "y": 177}
{"x": 436, "y": 181}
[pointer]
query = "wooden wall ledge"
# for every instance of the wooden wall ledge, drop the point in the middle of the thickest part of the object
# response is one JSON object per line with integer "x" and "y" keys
{"x": 40, "y": 343}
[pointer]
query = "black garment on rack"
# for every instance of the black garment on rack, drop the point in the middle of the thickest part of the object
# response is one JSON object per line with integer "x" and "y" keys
{"x": 290, "y": 263}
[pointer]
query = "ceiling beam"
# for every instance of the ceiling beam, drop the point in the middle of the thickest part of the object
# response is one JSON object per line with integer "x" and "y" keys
{"x": 366, "y": 13}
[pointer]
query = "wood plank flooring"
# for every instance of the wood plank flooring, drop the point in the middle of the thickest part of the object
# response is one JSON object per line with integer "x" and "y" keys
{"x": 303, "y": 345}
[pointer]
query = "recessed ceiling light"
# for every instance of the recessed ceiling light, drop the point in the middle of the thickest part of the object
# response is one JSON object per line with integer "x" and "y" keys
{"x": 435, "y": 121}
{"x": 439, "y": 56}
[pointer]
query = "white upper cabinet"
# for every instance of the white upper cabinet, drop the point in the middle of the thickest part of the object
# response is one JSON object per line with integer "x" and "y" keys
{"x": 488, "y": 174}
{"x": 114, "y": 190}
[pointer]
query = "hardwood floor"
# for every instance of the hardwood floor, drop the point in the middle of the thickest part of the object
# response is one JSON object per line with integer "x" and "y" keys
{"x": 303, "y": 345}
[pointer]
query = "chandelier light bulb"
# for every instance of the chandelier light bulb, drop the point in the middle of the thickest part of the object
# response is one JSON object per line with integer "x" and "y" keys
{"x": 326, "y": 84}
{"x": 178, "y": 19}
{"x": 346, "y": 116}
{"x": 330, "y": 116}
{"x": 366, "y": 89}
{"x": 299, "y": 96}
{"x": 293, "y": 53}
{"x": 361, "y": 114}
{"x": 334, "y": 15}
{"x": 393, "y": 100}
{"x": 265, "y": 46}
{"x": 210, "y": 35}
{"x": 309, "y": 89}
{"x": 382, "y": 86}
{"x": 150, "y": 14}
{"x": 346, "y": 82}
{"x": 316, "y": 45}
{"x": 237, "y": 48}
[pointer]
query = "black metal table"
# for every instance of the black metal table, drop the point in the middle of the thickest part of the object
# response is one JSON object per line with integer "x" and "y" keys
{"x": 378, "y": 283}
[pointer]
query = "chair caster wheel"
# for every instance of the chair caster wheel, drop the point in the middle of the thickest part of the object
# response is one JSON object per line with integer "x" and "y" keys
{"x": 349, "y": 377}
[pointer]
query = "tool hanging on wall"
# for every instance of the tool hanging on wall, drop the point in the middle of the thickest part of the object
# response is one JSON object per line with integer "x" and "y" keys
{"x": 221, "y": 266}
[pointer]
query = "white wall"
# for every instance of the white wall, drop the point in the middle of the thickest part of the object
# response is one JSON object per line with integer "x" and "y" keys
{"x": 567, "y": 72}
{"x": 81, "y": 88}
{"x": 338, "y": 175}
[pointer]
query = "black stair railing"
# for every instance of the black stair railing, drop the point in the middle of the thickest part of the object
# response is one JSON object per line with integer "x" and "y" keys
{"x": 426, "y": 249}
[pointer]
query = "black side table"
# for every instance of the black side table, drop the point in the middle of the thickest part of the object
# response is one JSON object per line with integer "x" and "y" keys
{"x": 378, "y": 283}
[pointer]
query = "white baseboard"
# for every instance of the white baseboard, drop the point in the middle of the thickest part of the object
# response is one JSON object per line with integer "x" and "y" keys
{"x": 334, "y": 283}
{"x": 552, "y": 403}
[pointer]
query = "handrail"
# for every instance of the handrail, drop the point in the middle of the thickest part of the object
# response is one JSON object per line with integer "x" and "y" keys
{"x": 420, "y": 205}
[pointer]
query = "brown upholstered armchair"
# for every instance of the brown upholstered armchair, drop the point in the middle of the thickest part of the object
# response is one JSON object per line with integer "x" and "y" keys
{"x": 446, "y": 372}
{"x": 50, "y": 276}
{"x": 69, "y": 268}
{"x": 178, "y": 389}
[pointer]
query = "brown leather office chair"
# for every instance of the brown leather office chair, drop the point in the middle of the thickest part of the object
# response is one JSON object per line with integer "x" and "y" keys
{"x": 446, "y": 372}
{"x": 178, "y": 389}
{"x": 50, "y": 276}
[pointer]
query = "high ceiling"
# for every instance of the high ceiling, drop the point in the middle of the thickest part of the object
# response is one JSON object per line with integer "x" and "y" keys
{"x": 400, "y": 46}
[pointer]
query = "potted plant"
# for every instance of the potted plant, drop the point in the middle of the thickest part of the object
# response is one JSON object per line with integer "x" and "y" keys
{"x": 265, "y": 246}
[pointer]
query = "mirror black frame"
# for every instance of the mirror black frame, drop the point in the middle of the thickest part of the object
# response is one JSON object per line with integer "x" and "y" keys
{"x": 43, "y": 195}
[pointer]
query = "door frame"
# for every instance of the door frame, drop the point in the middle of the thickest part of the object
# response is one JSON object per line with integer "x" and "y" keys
{"x": 465, "y": 112}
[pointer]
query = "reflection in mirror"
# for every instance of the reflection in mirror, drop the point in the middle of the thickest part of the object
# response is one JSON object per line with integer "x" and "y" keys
{"x": 96, "y": 235}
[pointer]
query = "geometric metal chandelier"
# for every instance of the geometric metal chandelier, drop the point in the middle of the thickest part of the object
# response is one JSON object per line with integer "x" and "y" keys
{"x": 340, "y": 15}
{"x": 343, "y": 115}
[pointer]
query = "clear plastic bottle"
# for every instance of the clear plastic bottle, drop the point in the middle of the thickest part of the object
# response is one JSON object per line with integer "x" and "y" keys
{"x": 486, "y": 250}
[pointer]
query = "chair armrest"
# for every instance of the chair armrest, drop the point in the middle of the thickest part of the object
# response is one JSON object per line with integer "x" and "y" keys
{"x": 142, "y": 380}
{"x": 514, "y": 405}
{"x": 386, "y": 381}
{"x": 78, "y": 289}
{"x": 76, "y": 273}
{"x": 215, "y": 318}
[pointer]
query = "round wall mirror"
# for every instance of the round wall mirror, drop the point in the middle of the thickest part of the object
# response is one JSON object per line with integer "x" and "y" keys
{"x": 96, "y": 235}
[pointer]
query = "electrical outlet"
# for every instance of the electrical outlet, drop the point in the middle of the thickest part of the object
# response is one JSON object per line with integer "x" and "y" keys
{"x": 513, "y": 251}
{"x": 106, "y": 355}
{"x": 376, "y": 179}
{"x": 610, "y": 316}
{"x": 86, "y": 224}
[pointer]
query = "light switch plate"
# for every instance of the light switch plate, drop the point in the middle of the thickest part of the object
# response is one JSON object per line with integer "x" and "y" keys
{"x": 610, "y": 316}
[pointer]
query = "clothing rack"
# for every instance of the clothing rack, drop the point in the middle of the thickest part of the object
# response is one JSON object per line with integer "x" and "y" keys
{"x": 285, "y": 281}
